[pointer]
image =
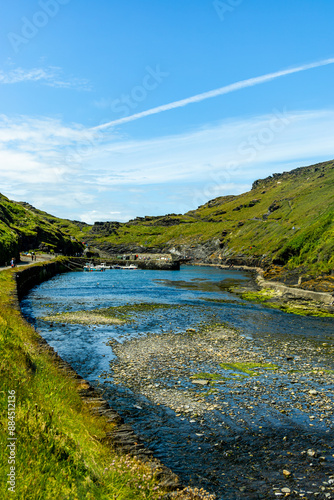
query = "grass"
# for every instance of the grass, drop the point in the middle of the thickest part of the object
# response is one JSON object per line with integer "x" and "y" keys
{"x": 270, "y": 298}
{"x": 62, "y": 450}
{"x": 21, "y": 223}
{"x": 246, "y": 369}
{"x": 286, "y": 220}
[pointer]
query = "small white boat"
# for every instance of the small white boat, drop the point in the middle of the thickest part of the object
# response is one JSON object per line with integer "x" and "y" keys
{"x": 103, "y": 265}
{"x": 90, "y": 267}
{"x": 131, "y": 266}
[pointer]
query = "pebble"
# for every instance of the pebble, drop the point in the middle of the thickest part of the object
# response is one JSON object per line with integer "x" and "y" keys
{"x": 161, "y": 367}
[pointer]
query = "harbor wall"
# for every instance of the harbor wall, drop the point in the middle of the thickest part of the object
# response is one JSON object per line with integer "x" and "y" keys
{"x": 28, "y": 277}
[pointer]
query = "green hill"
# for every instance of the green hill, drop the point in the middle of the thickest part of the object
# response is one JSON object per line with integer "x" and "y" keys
{"x": 24, "y": 228}
{"x": 285, "y": 219}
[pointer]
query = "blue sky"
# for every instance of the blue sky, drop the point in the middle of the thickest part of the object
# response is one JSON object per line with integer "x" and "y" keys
{"x": 68, "y": 67}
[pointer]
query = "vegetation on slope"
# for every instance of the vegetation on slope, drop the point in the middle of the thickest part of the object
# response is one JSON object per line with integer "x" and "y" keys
{"x": 286, "y": 218}
{"x": 23, "y": 228}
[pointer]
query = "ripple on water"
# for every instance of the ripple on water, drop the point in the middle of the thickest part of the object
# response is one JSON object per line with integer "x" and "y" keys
{"x": 233, "y": 435}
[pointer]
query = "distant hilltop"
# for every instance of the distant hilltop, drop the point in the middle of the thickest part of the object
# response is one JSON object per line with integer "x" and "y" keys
{"x": 319, "y": 167}
{"x": 285, "y": 219}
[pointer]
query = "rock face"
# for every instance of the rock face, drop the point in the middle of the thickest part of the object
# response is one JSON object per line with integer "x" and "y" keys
{"x": 122, "y": 249}
{"x": 105, "y": 228}
{"x": 196, "y": 252}
{"x": 214, "y": 251}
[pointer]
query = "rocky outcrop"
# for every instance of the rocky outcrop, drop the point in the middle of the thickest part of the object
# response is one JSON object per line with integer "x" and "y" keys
{"x": 158, "y": 265}
{"x": 112, "y": 250}
{"x": 201, "y": 252}
{"x": 252, "y": 203}
{"x": 105, "y": 228}
{"x": 293, "y": 173}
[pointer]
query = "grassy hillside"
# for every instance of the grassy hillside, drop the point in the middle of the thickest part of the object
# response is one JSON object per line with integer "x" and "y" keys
{"x": 286, "y": 219}
{"x": 24, "y": 228}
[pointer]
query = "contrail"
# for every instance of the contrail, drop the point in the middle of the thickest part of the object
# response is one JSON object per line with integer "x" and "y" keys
{"x": 214, "y": 93}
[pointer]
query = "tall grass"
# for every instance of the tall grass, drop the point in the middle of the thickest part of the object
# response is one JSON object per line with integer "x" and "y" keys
{"x": 62, "y": 450}
{"x": 60, "y": 453}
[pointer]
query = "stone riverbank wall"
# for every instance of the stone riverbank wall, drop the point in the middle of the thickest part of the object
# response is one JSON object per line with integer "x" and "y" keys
{"x": 28, "y": 277}
{"x": 121, "y": 435}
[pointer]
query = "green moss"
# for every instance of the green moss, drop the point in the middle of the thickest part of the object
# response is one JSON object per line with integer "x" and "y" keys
{"x": 247, "y": 369}
{"x": 304, "y": 309}
{"x": 260, "y": 296}
{"x": 301, "y": 310}
{"x": 222, "y": 301}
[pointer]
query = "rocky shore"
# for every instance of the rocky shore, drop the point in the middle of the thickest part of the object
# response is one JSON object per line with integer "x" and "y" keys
{"x": 262, "y": 408}
{"x": 286, "y": 295}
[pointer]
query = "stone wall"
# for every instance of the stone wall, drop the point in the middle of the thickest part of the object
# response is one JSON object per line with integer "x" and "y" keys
{"x": 28, "y": 277}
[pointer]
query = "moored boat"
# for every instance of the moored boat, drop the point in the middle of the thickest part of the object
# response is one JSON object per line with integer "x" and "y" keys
{"x": 90, "y": 267}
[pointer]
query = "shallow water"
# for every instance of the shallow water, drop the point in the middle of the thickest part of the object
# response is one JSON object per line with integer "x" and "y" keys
{"x": 192, "y": 448}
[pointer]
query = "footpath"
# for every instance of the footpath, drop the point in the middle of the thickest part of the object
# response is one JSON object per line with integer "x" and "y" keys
{"x": 25, "y": 261}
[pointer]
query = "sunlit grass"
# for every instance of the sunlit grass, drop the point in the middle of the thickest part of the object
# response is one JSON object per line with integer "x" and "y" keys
{"x": 247, "y": 369}
{"x": 60, "y": 451}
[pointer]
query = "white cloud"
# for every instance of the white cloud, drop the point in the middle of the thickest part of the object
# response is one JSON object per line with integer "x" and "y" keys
{"x": 96, "y": 215}
{"x": 51, "y": 76}
{"x": 75, "y": 172}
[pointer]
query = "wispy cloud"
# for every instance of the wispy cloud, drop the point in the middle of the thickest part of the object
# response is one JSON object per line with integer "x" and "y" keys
{"x": 250, "y": 82}
{"x": 122, "y": 178}
{"x": 51, "y": 76}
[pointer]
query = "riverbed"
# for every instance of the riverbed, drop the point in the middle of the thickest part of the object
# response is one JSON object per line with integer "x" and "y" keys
{"x": 232, "y": 396}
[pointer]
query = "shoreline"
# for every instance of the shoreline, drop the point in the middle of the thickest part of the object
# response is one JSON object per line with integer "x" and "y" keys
{"x": 286, "y": 292}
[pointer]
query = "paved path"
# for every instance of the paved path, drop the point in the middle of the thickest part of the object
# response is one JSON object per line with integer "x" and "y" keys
{"x": 25, "y": 261}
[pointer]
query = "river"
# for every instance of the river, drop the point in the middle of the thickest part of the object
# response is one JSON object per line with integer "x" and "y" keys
{"x": 220, "y": 389}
